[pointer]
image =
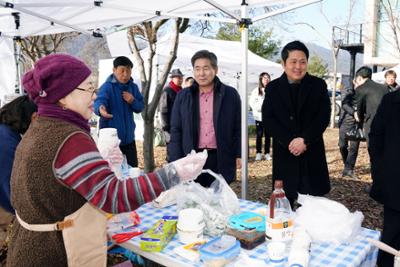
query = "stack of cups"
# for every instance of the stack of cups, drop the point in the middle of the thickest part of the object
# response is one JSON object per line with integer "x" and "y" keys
{"x": 300, "y": 250}
{"x": 190, "y": 225}
{"x": 276, "y": 253}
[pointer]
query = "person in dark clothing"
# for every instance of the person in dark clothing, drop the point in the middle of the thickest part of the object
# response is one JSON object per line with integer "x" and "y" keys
{"x": 207, "y": 116}
{"x": 390, "y": 81}
{"x": 15, "y": 118}
{"x": 367, "y": 98}
{"x": 348, "y": 149}
{"x": 116, "y": 101}
{"x": 296, "y": 111}
{"x": 384, "y": 147}
{"x": 167, "y": 101}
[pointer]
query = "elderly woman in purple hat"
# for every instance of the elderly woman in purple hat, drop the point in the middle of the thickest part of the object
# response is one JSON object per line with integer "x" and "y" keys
{"x": 60, "y": 186}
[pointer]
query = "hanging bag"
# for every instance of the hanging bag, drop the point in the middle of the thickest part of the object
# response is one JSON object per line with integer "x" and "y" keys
{"x": 356, "y": 133}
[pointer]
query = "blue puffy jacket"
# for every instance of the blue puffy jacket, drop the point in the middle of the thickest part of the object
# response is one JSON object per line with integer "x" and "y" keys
{"x": 110, "y": 96}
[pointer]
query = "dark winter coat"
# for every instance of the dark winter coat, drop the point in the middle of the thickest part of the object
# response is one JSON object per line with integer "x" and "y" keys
{"x": 185, "y": 126}
{"x": 307, "y": 173}
{"x": 384, "y": 147}
{"x": 346, "y": 119}
{"x": 367, "y": 99}
{"x": 165, "y": 106}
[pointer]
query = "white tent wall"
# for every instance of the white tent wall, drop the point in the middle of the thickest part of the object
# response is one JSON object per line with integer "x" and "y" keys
{"x": 7, "y": 68}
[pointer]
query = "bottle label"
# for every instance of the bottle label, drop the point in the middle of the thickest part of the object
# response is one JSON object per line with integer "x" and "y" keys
{"x": 279, "y": 230}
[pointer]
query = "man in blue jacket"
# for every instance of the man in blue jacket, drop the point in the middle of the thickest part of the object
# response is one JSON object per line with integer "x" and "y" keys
{"x": 116, "y": 101}
{"x": 206, "y": 115}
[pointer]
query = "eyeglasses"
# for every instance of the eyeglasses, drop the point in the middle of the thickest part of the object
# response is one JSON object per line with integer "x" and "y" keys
{"x": 91, "y": 90}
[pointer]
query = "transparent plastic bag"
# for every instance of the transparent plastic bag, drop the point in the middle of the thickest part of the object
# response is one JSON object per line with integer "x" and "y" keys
{"x": 217, "y": 202}
{"x": 326, "y": 220}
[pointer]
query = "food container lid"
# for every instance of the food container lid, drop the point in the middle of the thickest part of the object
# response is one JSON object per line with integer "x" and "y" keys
{"x": 221, "y": 247}
{"x": 247, "y": 221}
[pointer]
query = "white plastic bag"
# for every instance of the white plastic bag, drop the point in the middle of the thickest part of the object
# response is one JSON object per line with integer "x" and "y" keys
{"x": 327, "y": 220}
{"x": 217, "y": 202}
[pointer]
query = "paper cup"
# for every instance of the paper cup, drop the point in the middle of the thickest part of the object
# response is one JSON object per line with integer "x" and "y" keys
{"x": 276, "y": 251}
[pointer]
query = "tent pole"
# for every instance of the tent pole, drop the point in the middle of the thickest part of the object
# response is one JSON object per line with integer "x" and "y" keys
{"x": 244, "y": 26}
{"x": 17, "y": 56}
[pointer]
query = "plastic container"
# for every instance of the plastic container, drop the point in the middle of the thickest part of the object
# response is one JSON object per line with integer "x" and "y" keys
{"x": 190, "y": 225}
{"x": 219, "y": 251}
{"x": 248, "y": 228}
{"x": 279, "y": 223}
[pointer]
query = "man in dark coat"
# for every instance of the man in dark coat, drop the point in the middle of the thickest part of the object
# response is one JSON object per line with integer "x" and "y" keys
{"x": 348, "y": 149}
{"x": 167, "y": 101}
{"x": 296, "y": 111}
{"x": 367, "y": 98}
{"x": 384, "y": 147}
{"x": 206, "y": 115}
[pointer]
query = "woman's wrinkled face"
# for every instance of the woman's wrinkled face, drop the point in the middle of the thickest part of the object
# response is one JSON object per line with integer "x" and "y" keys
{"x": 81, "y": 99}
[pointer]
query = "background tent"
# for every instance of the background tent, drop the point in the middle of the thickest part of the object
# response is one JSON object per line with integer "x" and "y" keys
{"x": 7, "y": 68}
{"x": 228, "y": 53}
{"x": 229, "y": 62}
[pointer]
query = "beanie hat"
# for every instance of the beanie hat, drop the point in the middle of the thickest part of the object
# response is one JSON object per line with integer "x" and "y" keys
{"x": 53, "y": 77}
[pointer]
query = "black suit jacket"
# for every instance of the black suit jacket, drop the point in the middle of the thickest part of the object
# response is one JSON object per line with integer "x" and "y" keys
{"x": 307, "y": 173}
{"x": 367, "y": 99}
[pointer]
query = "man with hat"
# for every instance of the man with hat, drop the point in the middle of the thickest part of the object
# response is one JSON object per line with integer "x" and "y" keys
{"x": 167, "y": 101}
{"x": 116, "y": 101}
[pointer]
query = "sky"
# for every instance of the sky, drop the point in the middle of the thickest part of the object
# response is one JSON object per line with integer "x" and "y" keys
{"x": 296, "y": 24}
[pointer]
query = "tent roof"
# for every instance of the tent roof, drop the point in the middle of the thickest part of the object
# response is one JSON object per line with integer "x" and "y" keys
{"x": 45, "y": 17}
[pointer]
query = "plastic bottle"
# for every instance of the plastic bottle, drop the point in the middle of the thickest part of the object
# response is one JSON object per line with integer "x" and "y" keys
{"x": 279, "y": 221}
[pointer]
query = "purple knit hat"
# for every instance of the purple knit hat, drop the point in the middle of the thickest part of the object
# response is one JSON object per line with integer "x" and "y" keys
{"x": 54, "y": 77}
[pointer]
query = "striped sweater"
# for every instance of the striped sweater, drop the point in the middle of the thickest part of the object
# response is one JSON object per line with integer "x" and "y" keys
{"x": 79, "y": 165}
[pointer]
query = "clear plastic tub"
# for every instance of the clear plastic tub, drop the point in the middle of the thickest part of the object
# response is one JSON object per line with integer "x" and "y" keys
{"x": 219, "y": 251}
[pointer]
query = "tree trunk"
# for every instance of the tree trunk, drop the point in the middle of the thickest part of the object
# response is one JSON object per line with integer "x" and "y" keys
{"x": 148, "y": 144}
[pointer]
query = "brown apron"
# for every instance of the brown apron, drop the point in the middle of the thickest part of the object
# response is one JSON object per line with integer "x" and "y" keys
{"x": 84, "y": 234}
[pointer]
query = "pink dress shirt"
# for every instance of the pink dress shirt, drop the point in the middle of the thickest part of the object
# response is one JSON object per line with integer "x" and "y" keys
{"x": 207, "y": 134}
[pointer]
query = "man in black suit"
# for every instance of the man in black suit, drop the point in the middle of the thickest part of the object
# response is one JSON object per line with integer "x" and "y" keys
{"x": 296, "y": 111}
{"x": 367, "y": 98}
{"x": 384, "y": 147}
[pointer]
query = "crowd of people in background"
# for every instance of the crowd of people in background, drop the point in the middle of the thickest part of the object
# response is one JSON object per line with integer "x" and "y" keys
{"x": 56, "y": 152}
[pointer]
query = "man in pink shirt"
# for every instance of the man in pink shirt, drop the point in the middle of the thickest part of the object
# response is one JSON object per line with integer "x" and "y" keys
{"x": 206, "y": 115}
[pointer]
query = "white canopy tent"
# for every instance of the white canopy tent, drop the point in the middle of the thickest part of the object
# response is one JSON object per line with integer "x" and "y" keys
{"x": 228, "y": 53}
{"x": 21, "y": 18}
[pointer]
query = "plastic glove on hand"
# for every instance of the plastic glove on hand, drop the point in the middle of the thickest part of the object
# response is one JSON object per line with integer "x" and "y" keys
{"x": 189, "y": 167}
{"x": 115, "y": 156}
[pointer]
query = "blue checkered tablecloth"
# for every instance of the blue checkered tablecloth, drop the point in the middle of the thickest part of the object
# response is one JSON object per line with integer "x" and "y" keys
{"x": 354, "y": 254}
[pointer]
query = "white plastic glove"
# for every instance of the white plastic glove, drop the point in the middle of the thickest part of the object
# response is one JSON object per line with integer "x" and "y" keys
{"x": 189, "y": 167}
